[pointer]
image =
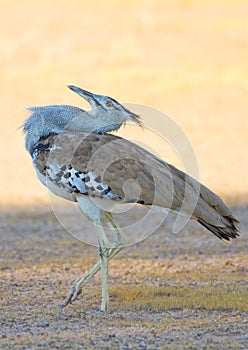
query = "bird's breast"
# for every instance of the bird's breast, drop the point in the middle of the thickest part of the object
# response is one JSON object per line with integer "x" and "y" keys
{"x": 63, "y": 169}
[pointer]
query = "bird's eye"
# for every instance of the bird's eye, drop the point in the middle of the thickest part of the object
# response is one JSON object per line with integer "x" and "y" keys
{"x": 109, "y": 104}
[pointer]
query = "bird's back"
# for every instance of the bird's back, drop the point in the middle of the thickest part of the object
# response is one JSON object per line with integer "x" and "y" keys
{"x": 107, "y": 166}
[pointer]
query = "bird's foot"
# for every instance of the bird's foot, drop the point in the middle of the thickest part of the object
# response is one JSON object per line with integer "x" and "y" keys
{"x": 74, "y": 291}
{"x": 76, "y": 288}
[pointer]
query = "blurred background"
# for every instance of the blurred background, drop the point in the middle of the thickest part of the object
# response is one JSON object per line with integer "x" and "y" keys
{"x": 187, "y": 58}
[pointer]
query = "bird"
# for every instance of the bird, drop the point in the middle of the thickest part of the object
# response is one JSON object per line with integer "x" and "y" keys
{"x": 78, "y": 157}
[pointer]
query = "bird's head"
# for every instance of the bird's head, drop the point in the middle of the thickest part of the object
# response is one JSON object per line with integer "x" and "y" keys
{"x": 109, "y": 113}
{"x": 105, "y": 116}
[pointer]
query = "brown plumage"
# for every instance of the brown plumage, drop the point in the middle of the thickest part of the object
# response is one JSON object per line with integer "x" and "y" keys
{"x": 76, "y": 158}
{"x": 160, "y": 183}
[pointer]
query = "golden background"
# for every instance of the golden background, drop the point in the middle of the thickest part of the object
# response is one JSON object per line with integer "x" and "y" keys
{"x": 188, "y": 59}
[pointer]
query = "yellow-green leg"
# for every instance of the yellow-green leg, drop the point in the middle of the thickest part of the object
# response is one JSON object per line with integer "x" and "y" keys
{"x": 106, "y": 253}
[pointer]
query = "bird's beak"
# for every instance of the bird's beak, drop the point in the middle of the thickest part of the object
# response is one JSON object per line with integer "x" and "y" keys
{"x": 87, "y": 95}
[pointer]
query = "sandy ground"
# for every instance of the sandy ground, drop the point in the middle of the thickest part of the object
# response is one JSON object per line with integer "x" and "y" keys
{"x": 187, "y": 59}
{"x": 184, "y": 291}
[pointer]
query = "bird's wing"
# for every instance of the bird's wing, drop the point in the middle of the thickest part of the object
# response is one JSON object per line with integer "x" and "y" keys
{"x": 108, "y": 166}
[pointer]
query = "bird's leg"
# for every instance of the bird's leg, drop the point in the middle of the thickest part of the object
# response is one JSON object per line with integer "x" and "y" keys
{"x": 75, "y": 290}
{"x": 104, "y": 270}
{"x": 120, "y": 240}
{"x": 103, "y": 247}
{"x": 105, "y": 251}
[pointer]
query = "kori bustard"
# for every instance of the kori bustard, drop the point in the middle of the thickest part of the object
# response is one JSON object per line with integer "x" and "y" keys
{"x": 77, "y": 158}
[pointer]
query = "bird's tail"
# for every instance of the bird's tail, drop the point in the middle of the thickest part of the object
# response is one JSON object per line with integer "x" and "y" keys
{"x": 212, "y": 213}
{"x": 210, "y": 210}
{"x": 228, "y": 231}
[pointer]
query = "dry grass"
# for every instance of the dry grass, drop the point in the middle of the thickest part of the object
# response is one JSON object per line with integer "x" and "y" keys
{"x": 154, "y": 299}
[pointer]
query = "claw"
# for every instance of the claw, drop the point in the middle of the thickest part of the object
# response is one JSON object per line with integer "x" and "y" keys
{"x": 67, "y": 300}
{"x": 72, "y": 295}
{"x": 77, "y": 292}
